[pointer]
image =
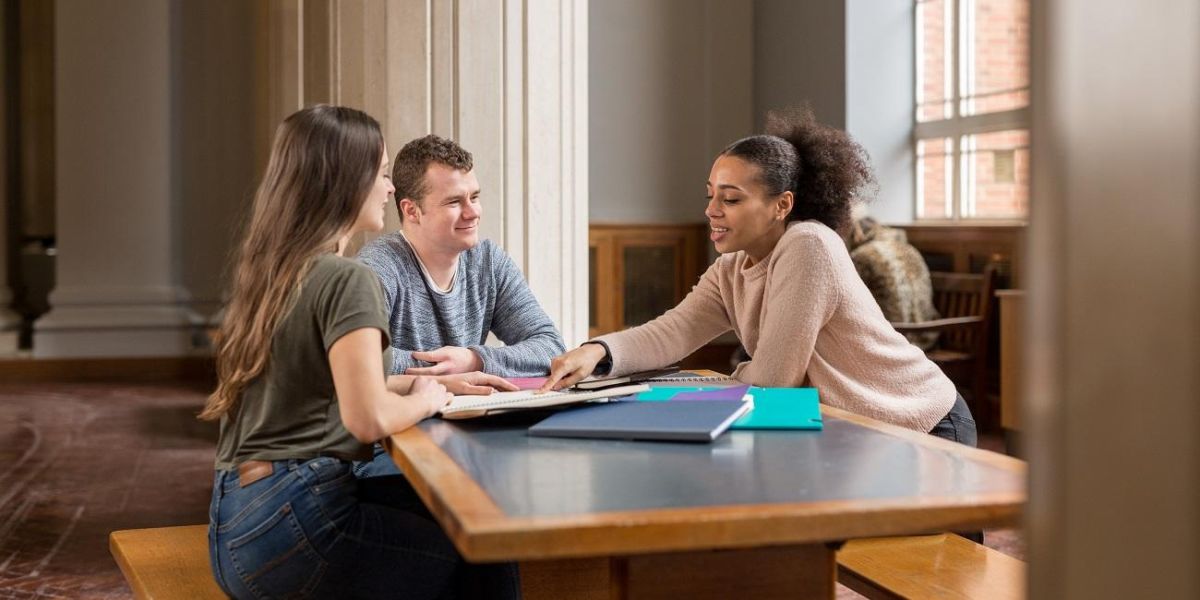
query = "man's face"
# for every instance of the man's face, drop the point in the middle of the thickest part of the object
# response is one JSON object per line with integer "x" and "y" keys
{"x": 448, "y": 217}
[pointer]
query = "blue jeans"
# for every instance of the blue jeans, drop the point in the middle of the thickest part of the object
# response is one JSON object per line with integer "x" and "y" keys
{"x": 380, "y": 465}
{"x": 958, "y": 425}
{"x": 312, "y": 529}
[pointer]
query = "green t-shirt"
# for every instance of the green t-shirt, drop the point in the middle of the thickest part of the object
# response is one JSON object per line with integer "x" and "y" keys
{"x": 291, "y": 409}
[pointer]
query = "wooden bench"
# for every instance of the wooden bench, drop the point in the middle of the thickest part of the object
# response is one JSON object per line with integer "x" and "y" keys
{"x": 172, "y": 562}
{"x": 167, "y": 562}
{"x": 929, "y": 566}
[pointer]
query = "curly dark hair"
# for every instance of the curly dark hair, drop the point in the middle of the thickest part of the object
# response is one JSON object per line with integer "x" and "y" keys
{"x": 408, "y": 170}
{"x": 826, "y": 170}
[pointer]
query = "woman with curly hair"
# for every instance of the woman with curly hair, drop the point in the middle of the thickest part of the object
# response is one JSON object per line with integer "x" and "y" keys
{"x": 777, "y": 207}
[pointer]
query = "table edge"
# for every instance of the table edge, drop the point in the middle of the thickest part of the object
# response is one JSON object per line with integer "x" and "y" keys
{"x": 482, "y": 531}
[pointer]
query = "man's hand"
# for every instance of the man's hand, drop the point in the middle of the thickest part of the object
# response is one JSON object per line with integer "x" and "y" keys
{"x": 569, "y": 368}
{"x": 446, "y": 360}
{"x": 475, "y": 384}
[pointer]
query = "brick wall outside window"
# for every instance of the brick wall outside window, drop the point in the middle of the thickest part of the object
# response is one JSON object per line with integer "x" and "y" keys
{"x": 993, "y": 166}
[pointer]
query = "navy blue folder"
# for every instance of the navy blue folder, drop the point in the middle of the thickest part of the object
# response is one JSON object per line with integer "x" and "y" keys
{"x": 668, "y": 421}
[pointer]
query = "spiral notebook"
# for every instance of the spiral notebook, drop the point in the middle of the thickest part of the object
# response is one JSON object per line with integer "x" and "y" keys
{"x": 692, "y": 377}
{"x": 468, "y": 407}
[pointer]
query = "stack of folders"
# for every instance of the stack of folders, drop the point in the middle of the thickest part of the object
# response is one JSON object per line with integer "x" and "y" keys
{"x": 635, "y": 420}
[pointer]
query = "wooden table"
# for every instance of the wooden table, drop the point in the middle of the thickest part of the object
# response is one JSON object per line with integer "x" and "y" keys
{"x": 753, "y": 514}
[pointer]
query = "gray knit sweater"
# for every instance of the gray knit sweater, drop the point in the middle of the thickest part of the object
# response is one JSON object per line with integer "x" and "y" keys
{"x": 489, "y": 294}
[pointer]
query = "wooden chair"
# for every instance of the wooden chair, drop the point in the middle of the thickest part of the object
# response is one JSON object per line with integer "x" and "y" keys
{"x": 929, "y": 566}
{"x": 964, "y": 301}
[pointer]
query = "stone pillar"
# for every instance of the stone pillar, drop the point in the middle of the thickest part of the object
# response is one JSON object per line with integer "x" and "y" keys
{"x": 1112, "y": 326}
{"x": 508, "y": 80}
{"x": 118, "y": 291}
{"x": 10, "y": 321}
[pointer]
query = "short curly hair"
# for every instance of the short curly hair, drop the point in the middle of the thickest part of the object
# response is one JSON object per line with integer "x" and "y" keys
{"x": 408, "y": 170}
{"x": 826, "y": 170}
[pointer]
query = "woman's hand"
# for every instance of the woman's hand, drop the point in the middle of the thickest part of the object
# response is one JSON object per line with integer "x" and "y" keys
{"x": 475, "y": 383}
{"x": 569, "y": 368}
{"x": 431, "y": 393}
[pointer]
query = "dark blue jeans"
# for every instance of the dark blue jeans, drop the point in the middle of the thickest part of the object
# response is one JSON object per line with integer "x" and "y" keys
{"x": 312, "y": 529}
{"x": 380, "y": 465}
{"x": 958, "y": 425}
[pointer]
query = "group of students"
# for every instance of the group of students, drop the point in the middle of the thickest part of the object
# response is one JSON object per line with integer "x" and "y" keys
{"x": 320, "y": 356}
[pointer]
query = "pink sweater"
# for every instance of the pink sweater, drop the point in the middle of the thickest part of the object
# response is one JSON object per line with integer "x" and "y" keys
{"x": 807, "y": 319}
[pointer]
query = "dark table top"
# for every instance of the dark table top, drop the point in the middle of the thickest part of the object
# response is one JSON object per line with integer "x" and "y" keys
{"x": 536, "y": 476}
{"x": 502, "y": 494}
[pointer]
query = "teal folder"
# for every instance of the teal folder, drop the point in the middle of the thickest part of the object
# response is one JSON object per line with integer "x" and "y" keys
{"x": 661, "y": 393}
{"x": 782, "y": 408}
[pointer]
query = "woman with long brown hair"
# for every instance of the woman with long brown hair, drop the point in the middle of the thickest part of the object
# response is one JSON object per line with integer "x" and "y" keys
{"x": 301, "y": 355}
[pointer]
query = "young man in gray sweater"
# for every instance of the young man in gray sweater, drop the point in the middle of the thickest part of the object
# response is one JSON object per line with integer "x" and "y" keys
{"x": 445, "y": 288}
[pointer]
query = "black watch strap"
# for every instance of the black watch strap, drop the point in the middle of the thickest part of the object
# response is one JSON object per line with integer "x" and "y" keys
{"x": 605, "y": 365}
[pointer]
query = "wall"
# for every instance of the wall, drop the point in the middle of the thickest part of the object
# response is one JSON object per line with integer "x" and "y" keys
{"x": 879, "y": 98}
{"x": 671, "y": 84}
{"x": 214, "y": 150}
{"x": 799, "y": 56}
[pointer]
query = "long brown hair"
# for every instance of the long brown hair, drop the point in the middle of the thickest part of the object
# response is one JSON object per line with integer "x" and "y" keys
{"x": 323, "y": 163}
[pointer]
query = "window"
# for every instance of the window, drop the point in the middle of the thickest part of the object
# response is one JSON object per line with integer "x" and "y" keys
{"x": 971, "y": 129}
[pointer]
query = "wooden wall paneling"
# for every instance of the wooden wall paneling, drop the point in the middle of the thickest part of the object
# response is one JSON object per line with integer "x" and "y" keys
{"x": 971, "y": 247}
{"x": 607, "y": 278}
{"x": 611, "y": 241}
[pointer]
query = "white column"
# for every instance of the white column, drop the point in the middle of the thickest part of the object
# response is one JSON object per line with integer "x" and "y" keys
{"x": 508, "y": 80}
{"x": 117, "y": 288}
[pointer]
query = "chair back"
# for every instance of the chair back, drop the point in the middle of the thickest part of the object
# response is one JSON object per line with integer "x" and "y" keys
{"x": 964, "y": 295}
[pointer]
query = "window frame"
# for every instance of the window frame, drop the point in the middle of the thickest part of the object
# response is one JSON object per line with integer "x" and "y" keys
{"x": 957, "y": 125}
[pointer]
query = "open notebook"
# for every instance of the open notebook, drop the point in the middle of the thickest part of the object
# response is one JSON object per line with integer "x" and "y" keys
{"x": 467, "y": 407}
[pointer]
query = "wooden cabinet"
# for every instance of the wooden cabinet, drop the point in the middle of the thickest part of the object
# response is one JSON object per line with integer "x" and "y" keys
{"x": 638, "y": 272}
{"x": 1012, "y": 309}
